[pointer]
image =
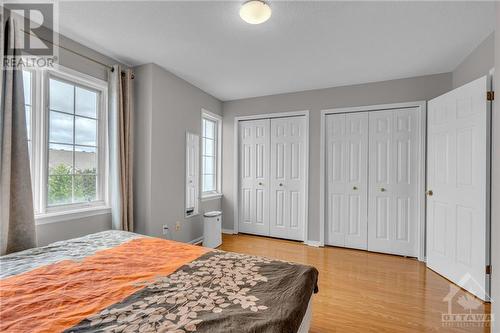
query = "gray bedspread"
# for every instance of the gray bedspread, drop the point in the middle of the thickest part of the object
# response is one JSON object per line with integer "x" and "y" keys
{"x": 73, "y": 249}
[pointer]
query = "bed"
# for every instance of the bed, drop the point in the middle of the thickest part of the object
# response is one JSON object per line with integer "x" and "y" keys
{"x": 116, "y": 281}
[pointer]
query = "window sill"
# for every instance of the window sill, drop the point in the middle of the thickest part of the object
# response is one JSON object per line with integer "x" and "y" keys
{"x": 61, "y": 216}
{"x": 211, "y": 196}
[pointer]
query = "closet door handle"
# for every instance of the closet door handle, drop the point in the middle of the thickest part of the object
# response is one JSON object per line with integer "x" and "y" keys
{"x": 354, "y": 188}
{"x": 281, "y": 184}
{"x": 383, "y": 189}
{"x": 260, "y": 184}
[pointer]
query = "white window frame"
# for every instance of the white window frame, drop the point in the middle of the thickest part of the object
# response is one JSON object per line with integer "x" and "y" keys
{"x": 40, "y": 148}
{"x": 205, "y": 114}
{"x": 34, "y": 141}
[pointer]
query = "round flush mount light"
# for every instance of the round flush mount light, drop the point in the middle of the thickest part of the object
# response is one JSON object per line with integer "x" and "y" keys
{"x": 255, "y": 12}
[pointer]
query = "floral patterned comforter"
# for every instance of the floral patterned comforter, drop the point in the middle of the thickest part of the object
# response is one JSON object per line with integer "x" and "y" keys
{"x": 144, "y": 284}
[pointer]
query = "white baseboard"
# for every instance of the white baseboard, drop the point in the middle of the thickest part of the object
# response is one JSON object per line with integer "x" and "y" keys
{"x": 313, "y": 243}
{"x": 228, "y": 231}
{"x": 196, "y": 240}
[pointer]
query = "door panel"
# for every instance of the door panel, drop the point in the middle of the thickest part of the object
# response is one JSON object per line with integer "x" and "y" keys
{"x": 294, "y": 209}
{"x": 403, "y": 219}
{"x": 382, "y": 163}
{"x": 354, "y": 215}
{"x": 382, "y": 218}
{"x": 458, "y": 167}
{"x": 287, "y": 179}
{"x": 254, "y": 176}
{"x": 393, "y": 188}
{"x": 347, "y": 145}
{"x": 336, "y": 177}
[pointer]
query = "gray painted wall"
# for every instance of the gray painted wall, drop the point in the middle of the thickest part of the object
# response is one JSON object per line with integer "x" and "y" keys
{"x": 51, "y": 232}
{"x": 478, "y": 63}
{"x": 404, "y": 90}
{"x": 169, "y": 107}
{"x": 495, "y": 182}
{"x": 143, "y": 108}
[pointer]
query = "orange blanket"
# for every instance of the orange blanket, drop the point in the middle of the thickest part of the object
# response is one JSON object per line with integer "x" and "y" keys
{"x": 55, "y": 297}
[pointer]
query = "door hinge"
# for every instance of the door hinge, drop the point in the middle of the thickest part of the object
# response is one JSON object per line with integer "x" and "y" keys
{"x": 490, "y": 95}
{"x": 488, "y": 269}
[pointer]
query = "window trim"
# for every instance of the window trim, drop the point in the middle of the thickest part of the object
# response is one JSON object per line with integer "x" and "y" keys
{"x": 40, "y": 127}
{"x": 74, "y": 214}
{"x": 33, "y": 130}
{"x": 208, "y": 195}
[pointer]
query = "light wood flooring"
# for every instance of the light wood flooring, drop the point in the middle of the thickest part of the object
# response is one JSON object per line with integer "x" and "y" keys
{"x": 361, "y": 291}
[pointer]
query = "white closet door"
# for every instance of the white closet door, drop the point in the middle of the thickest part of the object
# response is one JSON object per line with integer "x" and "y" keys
{"x": 393, "y": 186}
{"x": 254, "y": 150}
{"x": 458, "y": 175}
{"x": 287, "y": 181}
{"x": 347, "y": 151}
{"x": 336, "y": 176}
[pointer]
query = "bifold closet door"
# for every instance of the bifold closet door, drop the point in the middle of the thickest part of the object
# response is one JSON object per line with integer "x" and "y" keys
{"x": 254, "y": 144}
{"x": 287, "y": 178}
{"x": 393, "y": 181}
{"x": 347, "y": 153}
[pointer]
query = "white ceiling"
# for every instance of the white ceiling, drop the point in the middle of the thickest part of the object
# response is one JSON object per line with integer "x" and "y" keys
{"x": 305, "y": 45}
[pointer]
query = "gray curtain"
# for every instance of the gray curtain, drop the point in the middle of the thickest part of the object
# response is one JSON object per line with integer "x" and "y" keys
{"x": 17, "y": 221}
{"x": 121, "y": 124}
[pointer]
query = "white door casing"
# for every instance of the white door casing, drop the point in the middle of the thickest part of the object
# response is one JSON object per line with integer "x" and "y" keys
{"x": 393, "y": 181}
{"x": 287, "y": 178}
{"x": 458, "y": 175}
{"x": 254, "y": 144}
{"x": 347, "y": 153}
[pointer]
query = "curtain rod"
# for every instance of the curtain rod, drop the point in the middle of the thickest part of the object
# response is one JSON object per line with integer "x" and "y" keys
{"x": 74, "y": 52}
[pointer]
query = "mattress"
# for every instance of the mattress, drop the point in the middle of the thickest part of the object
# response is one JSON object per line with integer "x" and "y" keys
{"x": 117, "y": 281}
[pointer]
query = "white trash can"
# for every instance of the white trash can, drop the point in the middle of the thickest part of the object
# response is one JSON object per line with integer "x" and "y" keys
{"x": 212, "y": 229}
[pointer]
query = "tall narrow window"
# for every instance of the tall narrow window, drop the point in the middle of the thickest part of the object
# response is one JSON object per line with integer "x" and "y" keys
{"x": 28, "y": 106}
{"x": 73, "y": 143}
{"x": 211, "y": 124}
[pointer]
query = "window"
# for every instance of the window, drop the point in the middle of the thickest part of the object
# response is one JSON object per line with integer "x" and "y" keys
{"x": 211, "y": 147}
{"x": 28, "y": 104}
{"x": 67, "y": 140}
{"x": 72, "y": 167}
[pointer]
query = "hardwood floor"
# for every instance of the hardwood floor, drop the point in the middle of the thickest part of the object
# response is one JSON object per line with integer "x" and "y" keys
{"x": 361, "y": 291}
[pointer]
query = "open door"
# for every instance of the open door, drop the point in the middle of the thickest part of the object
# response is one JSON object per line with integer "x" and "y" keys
{"x": 458, "y": 178}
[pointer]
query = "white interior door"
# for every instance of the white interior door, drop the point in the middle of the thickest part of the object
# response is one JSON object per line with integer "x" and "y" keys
{"x": 347, "y": 153}
{"x": 287, "y": 179}
{"x": 393, "y": 181}
{"x": 254, "y": 152}
{"x": 458, "y": 176}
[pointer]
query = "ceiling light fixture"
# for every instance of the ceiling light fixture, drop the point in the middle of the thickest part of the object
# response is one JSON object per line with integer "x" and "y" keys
{"x": 255, "y": 12}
